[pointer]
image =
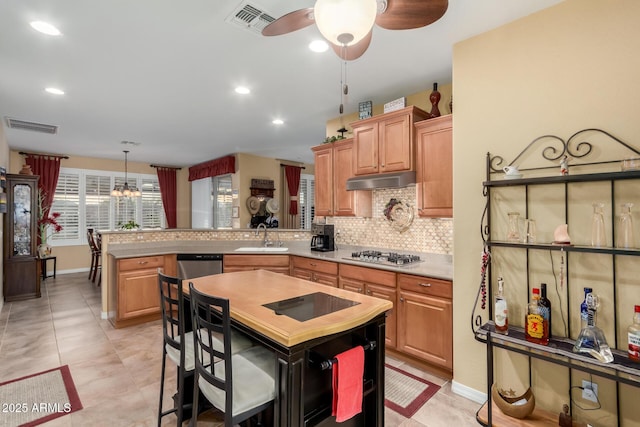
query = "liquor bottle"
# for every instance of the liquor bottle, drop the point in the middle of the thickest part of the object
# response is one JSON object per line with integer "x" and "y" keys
{"x": 501, "y": 320}
{"x": 584, "y": 309}
{"x": 545, "y": 305}
{"x": 536, "y": 328}
{"x": 591, "y": 339}
{"x": 634, "y": 336}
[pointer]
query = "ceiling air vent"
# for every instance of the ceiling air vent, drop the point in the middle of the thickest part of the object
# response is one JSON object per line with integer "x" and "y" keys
{"x": 250, "y": 17}
{"x": 33, "y": 126}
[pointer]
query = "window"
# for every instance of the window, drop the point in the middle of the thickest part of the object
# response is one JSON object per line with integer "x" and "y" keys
{"x": 307, "y": 197}
{"x": 83, "y": 198}
{"x": 222, "y": 201}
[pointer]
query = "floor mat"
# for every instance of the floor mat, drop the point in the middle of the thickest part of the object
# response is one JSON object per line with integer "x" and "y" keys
{"x": 405, "y": 393}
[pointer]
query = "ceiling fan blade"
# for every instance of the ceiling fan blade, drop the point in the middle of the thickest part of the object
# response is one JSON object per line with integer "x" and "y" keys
{"x": 353, "y": 52}
{"x": 407, "y": 14}
{"x": 290, "y": 22}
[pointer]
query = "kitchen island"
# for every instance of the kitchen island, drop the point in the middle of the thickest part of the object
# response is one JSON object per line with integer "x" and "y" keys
{"x": 332, "y": 321}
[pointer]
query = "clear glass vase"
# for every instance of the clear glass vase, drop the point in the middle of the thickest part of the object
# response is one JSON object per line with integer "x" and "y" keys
{"x": 513, "y": 234}
{"x": 624, "y": 234}
{"x": 598, "y": 238}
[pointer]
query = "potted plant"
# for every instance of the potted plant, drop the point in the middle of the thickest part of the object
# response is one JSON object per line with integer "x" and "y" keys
{"x": 129, "y": 225}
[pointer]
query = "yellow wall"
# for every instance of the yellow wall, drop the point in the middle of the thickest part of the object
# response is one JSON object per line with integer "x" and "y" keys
{"x": 566, "y": 68}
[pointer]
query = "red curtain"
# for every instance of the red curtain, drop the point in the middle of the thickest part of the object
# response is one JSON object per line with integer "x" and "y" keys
{"x": 48, "y": 167}
{"x": 168, "y": 190}
{"x": 214, "y": 167}
{"x": 293, "y": 183}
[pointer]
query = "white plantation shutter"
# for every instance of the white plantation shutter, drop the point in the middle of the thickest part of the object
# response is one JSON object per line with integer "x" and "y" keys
{"x": 126, "y": 207}
{"x": 222, "y": 201}
{"x": 152, "y": 209}
{"x": 66, "y": 201}
{"x": 306, "y": 198}
{"x": 97, "y": 201}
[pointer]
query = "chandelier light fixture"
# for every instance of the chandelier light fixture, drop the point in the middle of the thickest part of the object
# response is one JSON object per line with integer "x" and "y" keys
{"x": 125, "y": 190}
{"x": 345, "y": 22}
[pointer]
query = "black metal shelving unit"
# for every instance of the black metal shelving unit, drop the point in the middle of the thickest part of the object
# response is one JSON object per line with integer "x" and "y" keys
{"x": 560, "y": 349}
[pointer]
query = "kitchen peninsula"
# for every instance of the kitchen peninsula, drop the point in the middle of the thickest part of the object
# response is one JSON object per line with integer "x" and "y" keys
{"x": 420, "y": 292}
{"x": 306, "y": 324}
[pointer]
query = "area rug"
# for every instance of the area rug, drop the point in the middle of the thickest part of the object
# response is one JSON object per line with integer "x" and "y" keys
{"x": 405, "y": 393}
{"x": 38, "y": 398}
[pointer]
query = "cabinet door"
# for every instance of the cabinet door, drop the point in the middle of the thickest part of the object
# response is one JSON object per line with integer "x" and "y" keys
{"x": 352, "y": 285}
{"x": 395, "y": 144}
{"x": 324, "y": 180}
{"x": 301, "y": 273}
{"x": 425, "y": 328}
{"x": 365, "y": 140}
{"x": 388, "y": 294}
{"x": 344, "y": 201}
{"x": 138, "y": 293}
{"x": 434, "y": 169}
{"x": 326, "y": 279}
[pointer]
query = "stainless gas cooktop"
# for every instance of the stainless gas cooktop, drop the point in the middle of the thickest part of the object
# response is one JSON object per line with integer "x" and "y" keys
{"x": 384, "y": 258}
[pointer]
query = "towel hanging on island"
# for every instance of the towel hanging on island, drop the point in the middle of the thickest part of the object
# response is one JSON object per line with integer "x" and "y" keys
{"x": 348, "y": 375}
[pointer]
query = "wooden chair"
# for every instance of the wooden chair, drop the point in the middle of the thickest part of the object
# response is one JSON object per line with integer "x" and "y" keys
{"x": 96, "y": 256}
{"x": 178, "y": 342}
{"x": 241, "y": 385}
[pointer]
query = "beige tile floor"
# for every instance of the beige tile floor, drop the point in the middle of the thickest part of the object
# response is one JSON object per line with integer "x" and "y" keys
{"x": 117, "y": 371}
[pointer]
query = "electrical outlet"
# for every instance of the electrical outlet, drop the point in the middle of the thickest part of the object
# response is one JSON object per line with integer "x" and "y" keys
{"x": 589, "y": 391}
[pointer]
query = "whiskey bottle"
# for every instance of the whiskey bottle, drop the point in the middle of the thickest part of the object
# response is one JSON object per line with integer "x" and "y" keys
{"x": 501, "y": 314}
{"x": 634, "y": 336}
{"x": 536, "y": 328}
{"x": 545, "y": 306}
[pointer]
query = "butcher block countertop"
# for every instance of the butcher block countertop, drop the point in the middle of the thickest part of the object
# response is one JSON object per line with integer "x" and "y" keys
{"x": 246, "y": 301}
{"x": 437, "y": 266}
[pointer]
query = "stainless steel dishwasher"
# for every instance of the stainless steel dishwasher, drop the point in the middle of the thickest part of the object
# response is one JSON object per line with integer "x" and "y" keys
{"x": 191, "y": 266}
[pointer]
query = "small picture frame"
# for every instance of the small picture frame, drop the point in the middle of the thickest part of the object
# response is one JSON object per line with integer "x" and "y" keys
{"x": 3, "y": 177}
{"x": 3, "y": 203}
{"x": 235, "y": 212}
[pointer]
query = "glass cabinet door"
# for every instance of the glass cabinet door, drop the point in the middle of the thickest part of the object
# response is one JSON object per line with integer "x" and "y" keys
{"x": 22, "y": 233}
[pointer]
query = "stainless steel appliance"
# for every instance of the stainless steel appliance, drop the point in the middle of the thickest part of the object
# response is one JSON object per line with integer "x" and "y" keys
{"x": 385, "y": 258}
{"x": 323, "y": 237}
{"x": 191, "y": 266}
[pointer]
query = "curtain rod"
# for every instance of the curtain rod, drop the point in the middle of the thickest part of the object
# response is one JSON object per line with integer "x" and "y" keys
{"x": 283, "y": 165}
{"x": 23, "y": 153}
{"x": 166, "y": 167}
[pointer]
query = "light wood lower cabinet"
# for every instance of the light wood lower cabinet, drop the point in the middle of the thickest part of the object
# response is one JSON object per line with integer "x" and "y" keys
{"x": 425, "y": 319}
{"x": 275, "y": 263}
{"x": 319, "y": 271}
{"x": 136, "y": 288}
{"x": 375, "y": 283}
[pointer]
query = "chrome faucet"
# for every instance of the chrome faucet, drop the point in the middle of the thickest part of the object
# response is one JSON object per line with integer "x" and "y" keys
{"x": 265, "y": 241}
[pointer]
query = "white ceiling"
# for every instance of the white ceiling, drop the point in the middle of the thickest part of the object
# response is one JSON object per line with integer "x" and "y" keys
{"x": 162, "y": 73}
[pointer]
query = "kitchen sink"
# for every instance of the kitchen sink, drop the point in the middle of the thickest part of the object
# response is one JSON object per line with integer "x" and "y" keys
{"x": 261, "y": 249}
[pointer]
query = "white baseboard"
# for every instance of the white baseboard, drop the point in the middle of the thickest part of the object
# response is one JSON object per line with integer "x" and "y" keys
{"x": 468, "y": 392}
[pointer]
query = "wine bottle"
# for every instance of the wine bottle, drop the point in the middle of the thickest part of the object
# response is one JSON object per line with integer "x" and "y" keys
{"x": 501, "y": 314}
{"x": 634, "y": 335}
{"x": 545, "y": 306}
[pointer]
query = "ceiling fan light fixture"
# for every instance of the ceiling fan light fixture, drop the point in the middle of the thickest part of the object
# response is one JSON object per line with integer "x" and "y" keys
{"x": 345, "y": 22}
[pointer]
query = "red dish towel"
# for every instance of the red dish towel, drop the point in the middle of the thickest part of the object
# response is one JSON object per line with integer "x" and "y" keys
{"x": 347, "y": 384}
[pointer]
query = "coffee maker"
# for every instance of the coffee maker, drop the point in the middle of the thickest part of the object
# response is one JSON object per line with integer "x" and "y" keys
{"x": 322, "y": 239}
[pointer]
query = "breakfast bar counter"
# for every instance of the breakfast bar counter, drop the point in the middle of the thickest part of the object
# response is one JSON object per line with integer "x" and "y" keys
{"x": 305, "y": 324}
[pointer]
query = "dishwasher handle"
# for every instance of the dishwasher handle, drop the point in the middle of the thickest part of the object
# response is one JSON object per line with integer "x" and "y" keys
{"x": 199, "y": 257}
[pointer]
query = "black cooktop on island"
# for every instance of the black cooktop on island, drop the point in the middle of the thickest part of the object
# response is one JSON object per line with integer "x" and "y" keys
{"x": 385, "y": 258}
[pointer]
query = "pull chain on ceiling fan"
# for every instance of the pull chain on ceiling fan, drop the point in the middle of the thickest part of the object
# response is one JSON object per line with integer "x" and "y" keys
{"x": 350, "y": 22}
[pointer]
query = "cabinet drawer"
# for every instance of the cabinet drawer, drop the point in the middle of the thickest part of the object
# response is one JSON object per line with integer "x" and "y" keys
{"x": 255, "y": 261}
{"x": 370, "y": 275}
{"x": 141, "y": 262}
{"x": 426, "y": 285}
{"x": 328, "y": 267}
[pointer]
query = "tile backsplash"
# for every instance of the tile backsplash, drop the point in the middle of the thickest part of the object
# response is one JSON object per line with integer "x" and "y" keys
{"x": 434, "y": 235}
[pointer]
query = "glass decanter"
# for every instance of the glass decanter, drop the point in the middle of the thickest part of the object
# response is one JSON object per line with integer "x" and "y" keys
{"x": 591, "y": 339}
{"x": 624, "y": 235}
{"x": 513, "y": 234}
{"x": 598, "y": 238}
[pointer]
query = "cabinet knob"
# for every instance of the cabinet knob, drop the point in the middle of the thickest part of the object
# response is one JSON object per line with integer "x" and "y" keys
{"x": 143, "y": 262}
{"x": 312, "y": 264}
{"x": 401, "y": 299}
{"x": 368, "y": 292}
{"x": 425, "y": 285}
{"x": 359, "y": 289}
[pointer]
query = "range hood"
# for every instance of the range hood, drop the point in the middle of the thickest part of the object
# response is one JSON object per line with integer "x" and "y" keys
{"x": 384, "y": 180}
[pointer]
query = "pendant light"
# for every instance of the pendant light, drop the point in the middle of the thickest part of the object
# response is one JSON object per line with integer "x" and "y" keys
{"x": 125, "y": 190}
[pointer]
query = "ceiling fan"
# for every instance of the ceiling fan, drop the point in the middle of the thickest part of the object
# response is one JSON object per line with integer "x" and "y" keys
{"x": 347, "y": 24}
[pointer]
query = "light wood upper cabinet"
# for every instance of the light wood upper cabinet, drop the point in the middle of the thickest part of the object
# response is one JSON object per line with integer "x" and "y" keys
{"x": 333, "y": 167}
{"x": 385, "y": 143}
{"x": 434, "y": 169}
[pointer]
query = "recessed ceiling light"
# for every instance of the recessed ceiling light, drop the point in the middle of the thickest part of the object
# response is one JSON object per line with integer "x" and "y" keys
{"x": 54, "y": 91}
{"x": 242, "y": 90}
{"x": 45, "y": 28}
{"x": 319, "y": 46}
{"x": 277, "y": 122}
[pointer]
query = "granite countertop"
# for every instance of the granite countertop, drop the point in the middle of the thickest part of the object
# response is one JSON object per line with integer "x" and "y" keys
{"x": 434, "y": 265}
